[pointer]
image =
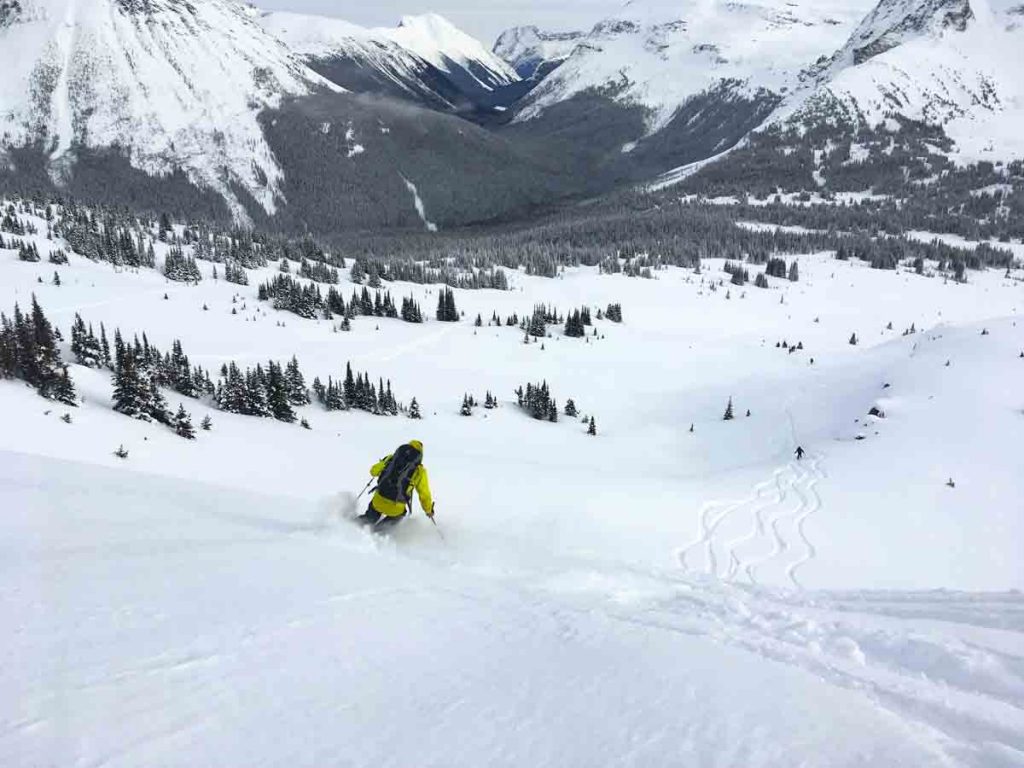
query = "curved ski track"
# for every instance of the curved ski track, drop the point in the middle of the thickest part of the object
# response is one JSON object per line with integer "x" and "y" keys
{"x": 766, "y": 529}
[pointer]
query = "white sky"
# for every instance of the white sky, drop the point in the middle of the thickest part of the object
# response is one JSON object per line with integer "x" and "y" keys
{"x": 483, "y": 18}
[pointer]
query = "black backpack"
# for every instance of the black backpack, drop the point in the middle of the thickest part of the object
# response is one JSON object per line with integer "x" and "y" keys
{"x": 393, "y": 483}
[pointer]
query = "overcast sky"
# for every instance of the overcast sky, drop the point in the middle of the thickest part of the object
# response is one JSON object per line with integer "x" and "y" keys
{"x": 483, "y": 18}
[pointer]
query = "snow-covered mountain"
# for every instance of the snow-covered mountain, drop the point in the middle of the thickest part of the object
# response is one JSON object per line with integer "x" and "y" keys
{"x": 171, "y": 84}
{"x": 197, "y": 109}
{"x": 658, "y": 57}
{"x": 425, "y": 58}
{"x": 533, "y": 52}
{"x": 954, "y": 63}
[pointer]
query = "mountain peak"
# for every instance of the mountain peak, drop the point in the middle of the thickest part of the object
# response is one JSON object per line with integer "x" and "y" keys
{"x": 436, "y": 40}
{"x": 893, "y": 22}
{"x": 528, "y": 48}
{"x": 433, "y": 23}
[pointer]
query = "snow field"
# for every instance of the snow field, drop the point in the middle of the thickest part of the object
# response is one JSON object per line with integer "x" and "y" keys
{"x": 648, "y": 596}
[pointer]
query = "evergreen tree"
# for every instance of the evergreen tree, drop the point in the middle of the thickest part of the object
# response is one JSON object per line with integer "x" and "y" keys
{"x": 728, "y": 412}
{"x": 350, "y": 386}
{"x": 411, "y": 311}
{"x": 467, "y": 407}
{"x": 180, "y": 267}
{"x": 537, "y": 401}
{"x": 853, "y": 339}
{"x": 570, "y": 408}
{"x": 206, "y": 424}
{"x": 28, "y": 351}
{"x": 277, "y": 394}
{"x": 128, "y": 397}
{"x": 452, "y": 312}
{"x": 574, "y": 325}
{"x": 46, "y": 363}
{"x": 105, "y": 347}
{"x": 153, "y": 401}
{"x": 64, "y": 389}
{"x": 538, "y": 323}
{"x": 183, "y": 423}
{"x": 391, "y": 404}
{"x": 592, "y": 427}
{"x": 414, "y": 410}
{"x": 296, "y": 383}
{"x": 84, "y": 344}
{"x": 446, "y": 310}
{"x": 794, "y": 272}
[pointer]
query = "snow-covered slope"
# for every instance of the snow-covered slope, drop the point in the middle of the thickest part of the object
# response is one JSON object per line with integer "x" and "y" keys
{"x": 438, "y": 41}
{"x": 425, "y": 57}
{"x": 955, "y": 63}
{"x": 532, "y": 51}
{"x": 658, "y": 56}
{"x": 173, "y": 84}
{"x": 649, "y": 596}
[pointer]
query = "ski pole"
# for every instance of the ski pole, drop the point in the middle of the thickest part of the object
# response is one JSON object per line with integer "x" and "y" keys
{"x": 365, "y": 489}
{"x": 436, "y": 528}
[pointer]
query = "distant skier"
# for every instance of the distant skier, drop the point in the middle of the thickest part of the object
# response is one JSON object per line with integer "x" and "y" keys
{"x": 399, "y": 474}
{"x": 799, "y": 453}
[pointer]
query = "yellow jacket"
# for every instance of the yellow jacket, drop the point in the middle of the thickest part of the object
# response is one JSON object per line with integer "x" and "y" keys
{"x": 418, "y": 481}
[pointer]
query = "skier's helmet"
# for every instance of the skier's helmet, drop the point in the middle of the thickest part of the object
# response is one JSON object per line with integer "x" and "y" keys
{"x": 417, "y": 445}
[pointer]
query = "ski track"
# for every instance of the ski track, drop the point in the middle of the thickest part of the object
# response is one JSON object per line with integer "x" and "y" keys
{"x": 967, "y": 695}
{"x": 846, "y": 651}
{"x": 810, "y": 502}
{"x": 400, "y": 350}
{"x": 775, "y": 528}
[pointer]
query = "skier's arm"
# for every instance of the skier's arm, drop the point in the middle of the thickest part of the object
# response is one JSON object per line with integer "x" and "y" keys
{"x": 423, "y": 491}
{"x": 377, "y": 468}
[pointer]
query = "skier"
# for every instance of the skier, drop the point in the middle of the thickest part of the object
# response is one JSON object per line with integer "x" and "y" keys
{"x": 398, "y": 474}
{"x": 799, "y": 453}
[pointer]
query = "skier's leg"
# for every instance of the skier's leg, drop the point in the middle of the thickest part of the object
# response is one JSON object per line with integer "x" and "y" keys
{"x": 388, "y": 523}
{"x": 369, "y": 517}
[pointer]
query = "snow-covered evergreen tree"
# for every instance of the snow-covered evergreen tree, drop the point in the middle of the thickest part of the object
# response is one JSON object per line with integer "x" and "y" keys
{"x": 183, "y": 423}
{"x": 296, "y": 383}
